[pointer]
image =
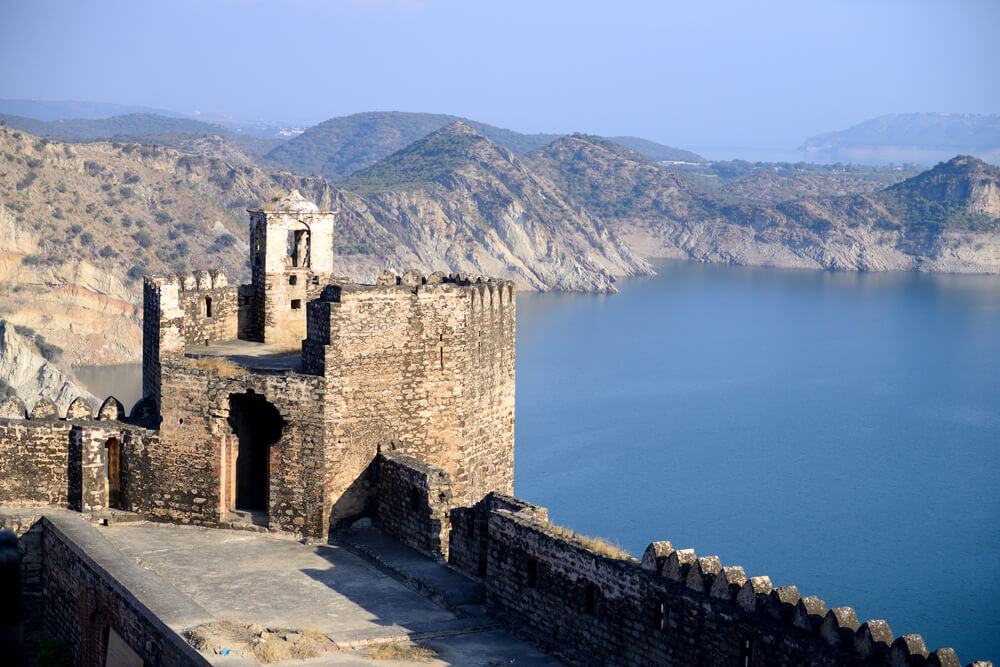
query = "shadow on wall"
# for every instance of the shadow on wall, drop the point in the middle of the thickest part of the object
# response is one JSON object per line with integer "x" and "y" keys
{"x": 357, "y": 501}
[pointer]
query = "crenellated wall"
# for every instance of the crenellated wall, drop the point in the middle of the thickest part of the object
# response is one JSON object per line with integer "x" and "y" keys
{"x": 183, "y": 310}
{"x": 672, "y": 608}
{"x": 48, "y": 459}
{"x": 426, "y": 362}
{"x": 592, "y": 605}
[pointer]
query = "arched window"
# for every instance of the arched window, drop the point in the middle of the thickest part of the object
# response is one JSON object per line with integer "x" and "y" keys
{"x": 208, "y": 306}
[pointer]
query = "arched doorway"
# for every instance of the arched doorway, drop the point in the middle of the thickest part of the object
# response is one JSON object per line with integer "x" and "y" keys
{"x": 258, "y": 425}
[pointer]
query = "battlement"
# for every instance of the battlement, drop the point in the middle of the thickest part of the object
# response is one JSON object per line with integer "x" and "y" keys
{"x": 79, "y": 410}
{"x": 591, "y": 603}
{"x": 692, "y": 610}
{"x": 62, "y": 460}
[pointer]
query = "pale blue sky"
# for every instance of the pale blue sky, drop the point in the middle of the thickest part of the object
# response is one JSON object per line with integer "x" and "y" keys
{"x": 697, "y": 74}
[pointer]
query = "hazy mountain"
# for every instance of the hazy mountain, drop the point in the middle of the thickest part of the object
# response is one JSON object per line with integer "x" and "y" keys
{"x": 339, "y": 147}
{"x": 924, "y": 138}
{"x": 147, "y": 128}
{"x": 657, "y": 152}
{"x": 66, "y": 109}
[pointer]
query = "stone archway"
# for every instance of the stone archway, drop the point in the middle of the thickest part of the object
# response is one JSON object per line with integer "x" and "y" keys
{"x": 257, "y": 425}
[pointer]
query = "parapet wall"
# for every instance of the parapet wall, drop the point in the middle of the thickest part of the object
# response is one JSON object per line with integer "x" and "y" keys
{"x": 83, "y": 591}
{"x": 672, "y": 608}
{"x": 182, "y": 310}
{"x": 593, "y": 605}
{"x": 413, "y": 503}
{"x": 62, "y": 461}
{"x": 426, "y": 361}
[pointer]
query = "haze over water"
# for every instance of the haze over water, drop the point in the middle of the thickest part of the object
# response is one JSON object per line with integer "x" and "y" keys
{"x": 835, "y": 431}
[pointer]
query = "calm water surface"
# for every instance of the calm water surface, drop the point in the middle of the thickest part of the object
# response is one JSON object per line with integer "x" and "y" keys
{"x": 834, "y": 431}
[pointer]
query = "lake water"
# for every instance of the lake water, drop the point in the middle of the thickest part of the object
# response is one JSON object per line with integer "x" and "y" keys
{"x": 835, "y": 431}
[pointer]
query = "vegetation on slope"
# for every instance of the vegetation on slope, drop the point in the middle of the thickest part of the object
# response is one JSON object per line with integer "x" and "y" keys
{"x": 657, "y": 152}
{"x": 422, "y": 162}
{"x": 342, "y": 146}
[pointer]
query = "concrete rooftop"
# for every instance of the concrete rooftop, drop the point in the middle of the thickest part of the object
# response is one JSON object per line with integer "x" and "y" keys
{"x": 248, "y": 354}
{"x": 279, "y": 582}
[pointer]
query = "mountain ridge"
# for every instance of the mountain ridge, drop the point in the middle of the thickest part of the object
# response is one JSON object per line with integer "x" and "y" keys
{"x": 924, "y": 138}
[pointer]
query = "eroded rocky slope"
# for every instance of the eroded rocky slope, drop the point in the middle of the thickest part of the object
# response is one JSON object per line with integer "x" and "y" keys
{"x": 26, "y": 373}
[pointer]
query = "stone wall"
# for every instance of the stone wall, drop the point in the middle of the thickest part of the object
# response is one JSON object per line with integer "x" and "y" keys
{"x": 413, "y": 503}
{"x": 46, "y": 459}
{"x": 88, "y": 589}
{"x": 181, "y": 310}
{"x": 469, "y": 537}
{"x": 189, "y": 473}
{"x": 672, "y": 608}
{"x": 425, "y": 362}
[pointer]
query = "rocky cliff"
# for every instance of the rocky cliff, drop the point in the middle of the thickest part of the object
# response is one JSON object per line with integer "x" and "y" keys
{"x": 80, "y": 224}
{"x": 26, "y": 373}
{"x": 941, "y": 220}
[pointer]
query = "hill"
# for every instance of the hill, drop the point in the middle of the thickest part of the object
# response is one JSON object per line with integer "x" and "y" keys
{"x": 146, "y": 128}
{"x": 80, "y": 224}
{"x": 342, "y": 146}
{"x": 63, "y": 109}
{"x": 657, "y": 152}
{"x": 456, "y": 199}
{"x": 924, "y": 138}
{"x": 661, "y": 212}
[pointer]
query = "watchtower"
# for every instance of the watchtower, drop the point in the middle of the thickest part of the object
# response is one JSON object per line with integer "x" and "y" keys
{"x": 291, "y": 260}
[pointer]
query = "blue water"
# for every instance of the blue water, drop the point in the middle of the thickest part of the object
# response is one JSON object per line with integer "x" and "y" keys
{"x": 835, "y": 431}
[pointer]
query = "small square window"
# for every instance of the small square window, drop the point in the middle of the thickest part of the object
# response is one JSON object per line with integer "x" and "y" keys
{"x": 292, "y": 280}
{"x": 296, "y": 304}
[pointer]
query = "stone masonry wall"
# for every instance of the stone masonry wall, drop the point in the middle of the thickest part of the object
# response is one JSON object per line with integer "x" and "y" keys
{"x": 413, "y": 360}
{"x": 190, "y": 469}
{"x": 82, "y": 601}
{"x": 60, "y": 461}
{"x": 673, "y": 608}
{"x": 468, "y": 540}
{"x": 181, "y": 310}
{"x": 413, "y": 503}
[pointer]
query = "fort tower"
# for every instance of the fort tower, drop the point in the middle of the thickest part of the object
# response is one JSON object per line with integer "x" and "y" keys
{"x": 291, "y": 260}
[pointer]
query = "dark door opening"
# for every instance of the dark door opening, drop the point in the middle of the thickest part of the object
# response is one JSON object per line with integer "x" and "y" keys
{"x": 258, "y": 425}
{"x": 112, "y": 470}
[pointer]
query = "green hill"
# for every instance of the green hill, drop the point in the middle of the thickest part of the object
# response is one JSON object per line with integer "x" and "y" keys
{"x": 342, "y": 146}
{"x": 423, "y": 161}
{"x": 657, "y": 152}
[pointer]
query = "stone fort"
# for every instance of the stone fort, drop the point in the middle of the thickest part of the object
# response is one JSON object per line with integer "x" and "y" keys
{"x": 303, "y": 402}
